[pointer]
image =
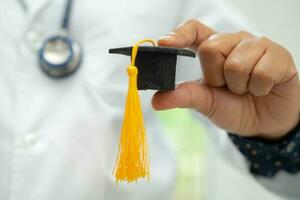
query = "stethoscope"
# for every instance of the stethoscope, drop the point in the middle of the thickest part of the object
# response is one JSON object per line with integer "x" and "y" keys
{"x": 60, "y": 55}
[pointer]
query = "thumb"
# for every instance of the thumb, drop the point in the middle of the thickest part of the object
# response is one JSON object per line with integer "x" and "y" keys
{"x": 232, "y": 112}
{"x": 193, "y": 95}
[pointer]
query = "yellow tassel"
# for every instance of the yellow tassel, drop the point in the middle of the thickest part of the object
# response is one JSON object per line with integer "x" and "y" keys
{"x": 133, "y": 160}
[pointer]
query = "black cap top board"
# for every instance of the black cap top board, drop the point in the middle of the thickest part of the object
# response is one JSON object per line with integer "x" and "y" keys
{"x": 156, "y": 65}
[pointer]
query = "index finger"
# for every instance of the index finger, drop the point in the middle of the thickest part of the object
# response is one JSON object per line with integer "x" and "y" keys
{"x": 190, "y": 34}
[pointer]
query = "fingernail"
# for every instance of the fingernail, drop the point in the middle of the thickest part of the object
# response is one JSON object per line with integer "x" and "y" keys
{"x": 166, "y": 37}
{"x": 169, "y": 36}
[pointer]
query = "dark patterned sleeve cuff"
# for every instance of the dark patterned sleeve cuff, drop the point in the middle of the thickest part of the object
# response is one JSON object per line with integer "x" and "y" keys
{"x": 267, "y": 158}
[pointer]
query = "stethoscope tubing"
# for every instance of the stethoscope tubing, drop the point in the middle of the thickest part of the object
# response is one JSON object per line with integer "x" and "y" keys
{"x": 75, "y": 54}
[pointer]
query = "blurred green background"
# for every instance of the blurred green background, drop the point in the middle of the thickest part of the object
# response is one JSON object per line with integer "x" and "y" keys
{"x": 187, "y": 137}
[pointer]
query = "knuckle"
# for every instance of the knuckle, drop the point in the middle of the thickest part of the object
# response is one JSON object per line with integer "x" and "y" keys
{"x": 237, "y": 88}
{"x": 257, "y": 93}
{"x": 260, "y": 85}
{"x": 264, "y": 41}
{"x": 216, "y": 36}
{"x": 182, "y": 32}
{"x": 235, "y": 66}
{"x": 284, "y": 52}
{"x": 244, "y": 33}
{"x": 192, "y": 22}
{"x": 192, "y": 97}
{"x": 189, "y": 93}
{"x": 258, "y": 89}
{"x": 262, "y": 75}
{"x": 208, "y": 46}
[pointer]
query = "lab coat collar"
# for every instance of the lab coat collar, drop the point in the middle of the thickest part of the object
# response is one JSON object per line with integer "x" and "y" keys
{"x": 33, "y": 7}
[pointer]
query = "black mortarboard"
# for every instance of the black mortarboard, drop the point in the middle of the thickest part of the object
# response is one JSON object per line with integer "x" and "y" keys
{"x": 156, "y": 65}
{"x": 150, "y": 68}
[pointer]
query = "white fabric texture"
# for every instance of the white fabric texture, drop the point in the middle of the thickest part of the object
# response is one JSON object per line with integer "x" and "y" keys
{"x": 58, "y": 138}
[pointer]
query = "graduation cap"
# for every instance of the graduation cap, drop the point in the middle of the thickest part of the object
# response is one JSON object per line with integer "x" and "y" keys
{"x": 150, "y": 68}
{"x": 156, "y": 65}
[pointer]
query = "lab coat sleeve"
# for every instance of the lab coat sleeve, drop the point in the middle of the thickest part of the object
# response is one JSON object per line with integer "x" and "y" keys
{"x": 283, "y": 183}
{"x": 223, "y": 19}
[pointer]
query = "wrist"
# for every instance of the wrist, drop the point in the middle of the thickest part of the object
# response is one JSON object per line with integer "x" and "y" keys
{"x": 278, "y": 135}
{"x": 267, "y": 157}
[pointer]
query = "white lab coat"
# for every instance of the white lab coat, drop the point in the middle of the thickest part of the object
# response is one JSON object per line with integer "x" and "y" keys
{"x": 58, "y": 138}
